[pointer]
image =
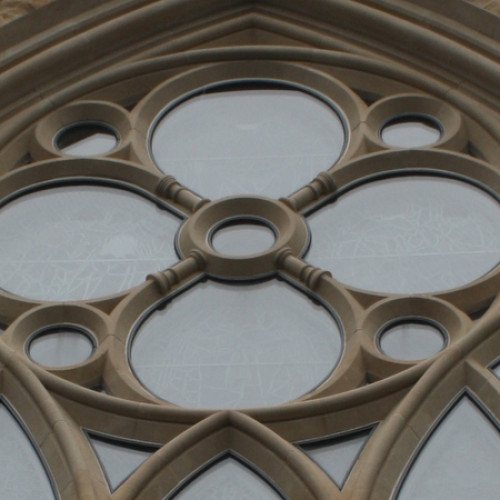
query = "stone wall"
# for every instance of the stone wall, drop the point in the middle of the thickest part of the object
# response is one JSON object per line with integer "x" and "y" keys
{"x": 12, "y": 9}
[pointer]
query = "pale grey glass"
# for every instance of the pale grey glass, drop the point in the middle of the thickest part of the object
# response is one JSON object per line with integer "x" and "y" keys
{"x": 118, "y": 460}
{"x": 86, "y": 140}
{"x": 408, "y": 235}
{"x": 82, "y": 242}
{"x": 410, "y": 133}
{"x": 337, "y": 456}
{"x": 459, "y": 461}
{"x": 231, "y": 346}
{"x": 228, "y": 479}
{"x": 496, "y": 370}
{"x": 243, "y": 239}
{"x": 62, "y": 346}
{"x": 22, "y": 475}
{"x": 269, "y": 142}
{"x": 411, "y": 341}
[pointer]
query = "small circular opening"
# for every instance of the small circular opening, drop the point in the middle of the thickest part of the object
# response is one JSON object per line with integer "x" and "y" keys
{"x": 242, "y": 237}
{"x": 411, "y": 340}
{"x": 60, "y": 346}
{"x": 86, "y": 139}
{"x": 411, "y": 132}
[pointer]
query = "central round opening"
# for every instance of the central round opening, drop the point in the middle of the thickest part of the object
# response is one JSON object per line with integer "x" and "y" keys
{"x": 243, "y": 237}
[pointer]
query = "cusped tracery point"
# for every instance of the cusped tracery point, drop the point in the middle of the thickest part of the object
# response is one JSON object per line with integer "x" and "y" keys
{"x": 221, "y": 345}
{"x": 82, "y": 242}
{"x": 414, "y": 234}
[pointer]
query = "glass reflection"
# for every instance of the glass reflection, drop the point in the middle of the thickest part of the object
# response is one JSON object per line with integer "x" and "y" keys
{"x": 82, "y": 242}
{"x": 227, "y": 479}
{"x": 408, "y": 235}
{"x": 221, "y": 345}
{"x": 22, "y": 475}
{"x": 264, "y": 141}
{"x": 459, "y": 460}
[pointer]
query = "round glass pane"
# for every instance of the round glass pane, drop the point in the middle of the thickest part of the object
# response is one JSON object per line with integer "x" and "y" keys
{"x": 86, "y": 139}
{"x": 265, "y": 141}
{"x": 60, "y": 346}
{"x": 243, "y": 238}
{"x": 411, "y": 340}
{"x": 228, "y": 346}
{"x": 411, "y": 132}
{"x": 408, "y": 235}
{"x": 82, "y": 242}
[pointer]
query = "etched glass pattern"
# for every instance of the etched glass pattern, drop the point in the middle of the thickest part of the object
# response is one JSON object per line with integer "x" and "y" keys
{"x": 228, "y": 479}
{"x": 459, "y": 460}
{"x": 411, "y": 340}
{"x": 268, "y": 142}
{"x": 22, "y": 475}
{"x": 81, "y": 242}
{"x": 408, "y": 235}
{"x": 228, "y": 346}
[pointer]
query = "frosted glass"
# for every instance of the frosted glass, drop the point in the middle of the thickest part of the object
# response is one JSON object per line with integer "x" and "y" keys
{"x": 243, "y": 239}
{"x": 226, "y": 346}
{"x": 22, "y": 474}
{"x": 82, "y": 242}
{"x": 411, "y": 341}
{"x": 228, "y": 479}
{"x": 337, "y": 456}
{"x": 60, "y": 347}
{"x": 496, "y": 370}
{"x": 267, "y": 141}
{"x": 86, "y": 140}
{"x": 118, "y": 459}
{"x": 408, "y": 235}
{"x": 460, "y": 459}
{"x": 410, "y": 132}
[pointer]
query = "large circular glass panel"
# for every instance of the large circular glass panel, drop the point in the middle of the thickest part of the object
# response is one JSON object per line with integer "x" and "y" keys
{"x": 240, "y": 238}
{"x": 60, "y": 346}
{"x": 82, "y": 242}
{"x": 231, "y": 346}
{"x": 411, "y": 340}
{"x": 408, "y": 235}
{"x": 265, "y": 141}
{"x": 410, "y": 132}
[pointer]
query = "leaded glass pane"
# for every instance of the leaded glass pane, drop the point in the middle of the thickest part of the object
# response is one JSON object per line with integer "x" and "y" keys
{"x": 225, "y": 346}
{"x": 265, "y": 141}
{"x": 459, "y": 460}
